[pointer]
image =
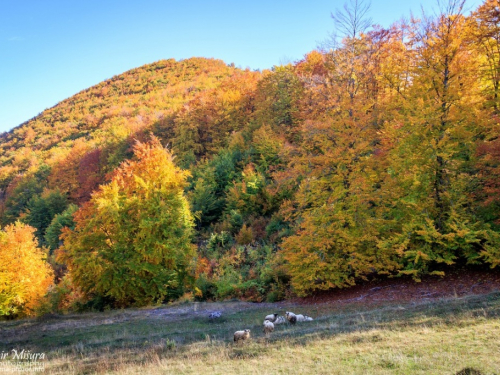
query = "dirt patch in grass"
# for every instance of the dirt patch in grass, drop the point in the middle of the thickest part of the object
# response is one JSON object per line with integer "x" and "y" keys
{"x": 457, "y": 282}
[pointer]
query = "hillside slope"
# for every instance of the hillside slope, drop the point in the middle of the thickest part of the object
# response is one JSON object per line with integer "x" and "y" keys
{"x": 142, "y": 95}
{"x": 91, "y": 132}
{"x": 108, "y": 113}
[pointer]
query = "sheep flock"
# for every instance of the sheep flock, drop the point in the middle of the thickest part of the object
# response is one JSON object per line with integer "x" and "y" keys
{"x": 270, "y": 321}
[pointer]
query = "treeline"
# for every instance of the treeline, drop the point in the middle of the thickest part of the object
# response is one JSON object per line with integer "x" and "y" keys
{"x": 377, "y": 156}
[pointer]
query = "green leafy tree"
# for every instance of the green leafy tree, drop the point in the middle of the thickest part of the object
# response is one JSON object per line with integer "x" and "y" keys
{"x": 29, "y": 186}
{"x": 277, "y": 100}
{"x": 60, "y": 221}
{"x": 41, "y": 210}
{"x": 211, "y": 181}
{"x": 132, "y": 240}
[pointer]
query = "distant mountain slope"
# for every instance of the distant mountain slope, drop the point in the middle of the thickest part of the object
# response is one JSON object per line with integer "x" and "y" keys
{"x": 108, "y": 112}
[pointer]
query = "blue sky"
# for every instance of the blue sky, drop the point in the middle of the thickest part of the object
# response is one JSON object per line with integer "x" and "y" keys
{"x": 52, "y": 49}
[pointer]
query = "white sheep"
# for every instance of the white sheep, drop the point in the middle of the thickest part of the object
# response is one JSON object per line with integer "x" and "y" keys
{"x": 241, "y": 335}
{"x": 293, "y": 318}
{"x": 268, "y": 327}
{"x": 279, "y": 320}
{"x": 304, "y": 318}
{"x": 271, "y": 317}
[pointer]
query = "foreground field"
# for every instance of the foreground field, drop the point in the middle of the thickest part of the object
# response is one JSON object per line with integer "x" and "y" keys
{"x": 427, "y": 337}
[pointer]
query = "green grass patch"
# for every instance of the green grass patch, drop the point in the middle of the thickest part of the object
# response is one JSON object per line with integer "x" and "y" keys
{"x": 438, "y": 337}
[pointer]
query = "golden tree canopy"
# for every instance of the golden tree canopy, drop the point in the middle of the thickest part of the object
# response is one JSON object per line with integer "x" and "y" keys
{"x": 25, "y": 276}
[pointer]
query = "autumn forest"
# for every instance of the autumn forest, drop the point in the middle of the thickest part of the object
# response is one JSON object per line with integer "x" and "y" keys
{"x": 376, "y": 155}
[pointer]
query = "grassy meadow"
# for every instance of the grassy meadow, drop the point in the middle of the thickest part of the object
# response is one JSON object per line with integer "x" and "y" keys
{"x": 430, "y": 337}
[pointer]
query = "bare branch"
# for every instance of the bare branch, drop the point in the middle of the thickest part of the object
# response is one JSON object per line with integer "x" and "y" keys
{"x": 352, "y": 20}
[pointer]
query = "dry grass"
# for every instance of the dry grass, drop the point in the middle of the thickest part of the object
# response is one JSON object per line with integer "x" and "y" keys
{"x": 438, "y": 337}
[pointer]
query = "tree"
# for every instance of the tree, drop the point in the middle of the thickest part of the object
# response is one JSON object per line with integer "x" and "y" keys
{"x": 247, "y": 196}
{"x": 334, "y": 208}
{"x": 430, "y": 177}
{"x": 41, "y": 209}
{"x": 210, "y": 182}
{"x": 65, "y": 175}
{"x": 484, "y": 39}
{"x": 60, "y": 221}
{"x": 336, "y": 230}
{"x": 484, "y": 36}
{"x": 352, "y": 20}
{"x": 25, "y": 276}
{"x": 132, "y": 240}
{"x": 21, "y": 193}
{"x": 277, "y": 100}
{"x": 90, "y": 174}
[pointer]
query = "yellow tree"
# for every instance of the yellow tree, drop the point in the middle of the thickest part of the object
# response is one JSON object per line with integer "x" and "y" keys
{"x": 25, "y": 276}
{"x": 484, "y": 36}
{"x": 431, "y": 150}
{"x": 336, "y": 230}
{"x": 484, "y": 39}
{"x": 132, "y": 240}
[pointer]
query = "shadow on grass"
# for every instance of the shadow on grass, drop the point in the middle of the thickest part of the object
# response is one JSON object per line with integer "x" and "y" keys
{"x": 469, "y": 371}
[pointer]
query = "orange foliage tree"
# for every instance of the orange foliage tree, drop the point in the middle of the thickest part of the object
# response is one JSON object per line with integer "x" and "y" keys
{"x": 25, "y": 276}
{"x": 334, "y": 208}
{"x": 432, "y": 146}
{"x": 132, "y": 240}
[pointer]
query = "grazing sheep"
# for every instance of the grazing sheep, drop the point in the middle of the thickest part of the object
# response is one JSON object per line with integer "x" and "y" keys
{"x": 303, "y": 318}
{"x": 241, "y": 335}
{"x": 300, "y": 317}
{"x": 271, "y": 317}
{"x": 268, "y": 326}
{"x": 280, "y": 320}
{"x": 291, "y": 317}
{"x": 294, "y": 318}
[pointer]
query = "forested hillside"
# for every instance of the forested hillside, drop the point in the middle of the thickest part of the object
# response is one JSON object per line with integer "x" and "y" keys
{"x": 377, "y": 157}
